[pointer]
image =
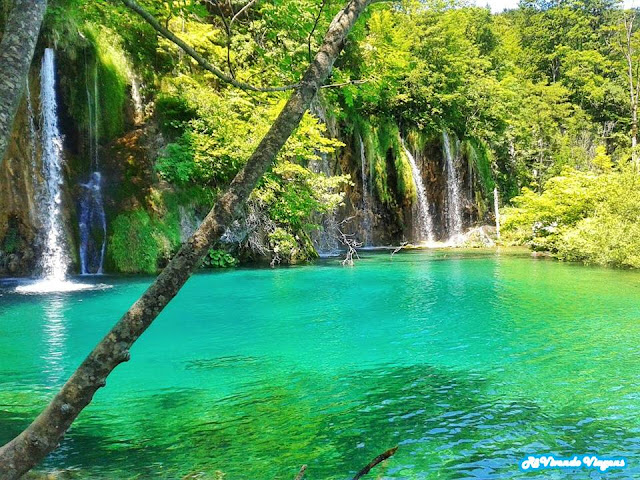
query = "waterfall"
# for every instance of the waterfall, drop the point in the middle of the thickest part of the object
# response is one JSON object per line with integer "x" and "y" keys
{"x": 326, "y": 239}
{"x": 54, "y": 261}
{"x": 496, "y": 211}
{"x": 92, "y": 226}
{"x": 454, "y": 199}
{"x": 424, "y": 232}
{"x": 366, "y": 196}
{"x": 92, "y": 220}
{"x": 33, "y": 136}
{"x": 137, "y": 99}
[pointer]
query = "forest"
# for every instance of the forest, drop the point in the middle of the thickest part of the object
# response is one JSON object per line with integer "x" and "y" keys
{"x": 460, "y": 159}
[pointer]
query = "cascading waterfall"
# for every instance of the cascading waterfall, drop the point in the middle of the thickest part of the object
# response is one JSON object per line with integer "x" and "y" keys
{"x": 33, "y": 136}
{"x": 496, "y": 210}
{"x": 54, "y": 260}
{"x": 454, "y": 198}
{"x": 424, "y": 230}
{"x": 366, "y": 196}
{"x": 137, "y": 99}
{"x": 325, "y": 239}
{"x": 92, "y": 219}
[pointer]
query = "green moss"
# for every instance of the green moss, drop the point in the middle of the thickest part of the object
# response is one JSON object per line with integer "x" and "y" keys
{"x": 140, "y": 242}
{"x": 133, "y": 247}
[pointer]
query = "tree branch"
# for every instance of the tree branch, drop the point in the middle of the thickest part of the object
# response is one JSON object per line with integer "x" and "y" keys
{"x": 166, "y": 33}
{"x": 45, "y": 432}
{"x": 303, "y": 469}
{"x": 350, "y": 82}
{"x": 379, "y": 459}
{"x": 315, "y": 25}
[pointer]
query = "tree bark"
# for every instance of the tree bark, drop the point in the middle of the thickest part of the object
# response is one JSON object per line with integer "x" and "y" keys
{"x": 16, "y": 52}
{"x": 43, "y": 435}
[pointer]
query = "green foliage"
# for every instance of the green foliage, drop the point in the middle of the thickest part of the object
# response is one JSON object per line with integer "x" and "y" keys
{"x": 581, "y": 217}
{"x": 11, "y": 240}
{"x": 132, "y": 246}
{"x": 292, "y": 194}
{"x": 140, "y": 242}
{"x": 219, "y": 259}
{"x": 173, "y": 114}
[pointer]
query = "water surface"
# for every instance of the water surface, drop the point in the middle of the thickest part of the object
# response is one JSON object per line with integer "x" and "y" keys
{"x": 468, "y": 362}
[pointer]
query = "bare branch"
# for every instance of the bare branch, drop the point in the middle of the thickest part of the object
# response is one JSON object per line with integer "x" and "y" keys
{"x": 315, "y": 25}
{"x": 350, "y": 82}
{"x": 241, "y": 11}
{"x": 301, "y": 472}
{"x": 379, "y": 459}
{"x": 151, "y": 20}
{"x": 350, "y": 242}
{"x": 397, "y": 249}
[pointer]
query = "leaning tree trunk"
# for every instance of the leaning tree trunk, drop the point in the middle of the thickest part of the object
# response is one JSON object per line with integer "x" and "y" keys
{"x": 16, "y": 51}
{"x": 46, "y": 431}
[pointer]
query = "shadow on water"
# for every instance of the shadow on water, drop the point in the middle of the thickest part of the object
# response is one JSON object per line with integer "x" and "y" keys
{"x": 449, "y": 424}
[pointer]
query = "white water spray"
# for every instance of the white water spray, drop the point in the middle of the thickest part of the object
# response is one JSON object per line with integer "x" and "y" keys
{"x": 54, "y": 260}
{"x": 454, "y": 198}
{"x": 92, "y": 220}
{"x": 366, "y": 196}
{"x": 496, "y": 211}
{"x": 424, "y": 231}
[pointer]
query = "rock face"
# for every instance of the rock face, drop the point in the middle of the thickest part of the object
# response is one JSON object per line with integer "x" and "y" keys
{"x": 18, "y": 213}
{"x": 386, "y": 215}
{"x": 393, "y": 219}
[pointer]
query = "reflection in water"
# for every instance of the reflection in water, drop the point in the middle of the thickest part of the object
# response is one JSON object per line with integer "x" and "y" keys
{"x": 55, "y": 337}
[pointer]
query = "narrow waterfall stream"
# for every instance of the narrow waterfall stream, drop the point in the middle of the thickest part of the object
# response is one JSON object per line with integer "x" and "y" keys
{"x": 454, "y": 197}
{"x": 424, "y": 225}
{"x": 54, "y": 262}
{"x": 366, "y": 196}
{"x": 92, "y": 219}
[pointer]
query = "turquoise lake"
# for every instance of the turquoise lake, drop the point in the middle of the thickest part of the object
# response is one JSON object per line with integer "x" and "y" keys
{"x": 469, "y": 361}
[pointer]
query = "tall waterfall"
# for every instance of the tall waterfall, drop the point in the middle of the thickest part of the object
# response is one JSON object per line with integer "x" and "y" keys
{"x": 54, "y": 260}
{"x": 366, "y": 196}
{"x": 92, "y": 219}
{"x": 454, "y": 197}
{"x": 325, "y": 239}
{"x": 33, "y": 136}
{"x": 496, "y": 210}
{"x": 424, "y": 230}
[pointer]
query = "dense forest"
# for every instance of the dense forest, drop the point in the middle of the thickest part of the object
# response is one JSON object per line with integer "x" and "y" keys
{"x": 539, "y": 103}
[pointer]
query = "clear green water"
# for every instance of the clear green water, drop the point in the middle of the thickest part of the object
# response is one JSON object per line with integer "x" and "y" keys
{"x": 467, "y": 362}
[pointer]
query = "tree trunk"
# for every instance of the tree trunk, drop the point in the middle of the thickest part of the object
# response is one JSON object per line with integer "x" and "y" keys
{"x": 16, "y": 51}
{"x": 46, "y": 431}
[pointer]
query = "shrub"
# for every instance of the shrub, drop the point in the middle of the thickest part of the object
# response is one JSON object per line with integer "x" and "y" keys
{"x": 581, "y": 217}
{"x": 219, "y": 259}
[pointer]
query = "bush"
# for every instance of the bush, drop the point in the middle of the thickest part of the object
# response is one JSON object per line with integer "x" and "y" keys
{"x": 140, "y": 243}
{"x": 132, "y": 247}
{"x": 219, "y": 259}
{"x": 581, "y": 217}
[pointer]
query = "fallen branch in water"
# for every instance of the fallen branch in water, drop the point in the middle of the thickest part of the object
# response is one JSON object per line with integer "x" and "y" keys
{"x": 301, "y": 472}
{"x": 349, "y": 241}
{"x": 379, "y": 459}
{"x": 397, "y": 249}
